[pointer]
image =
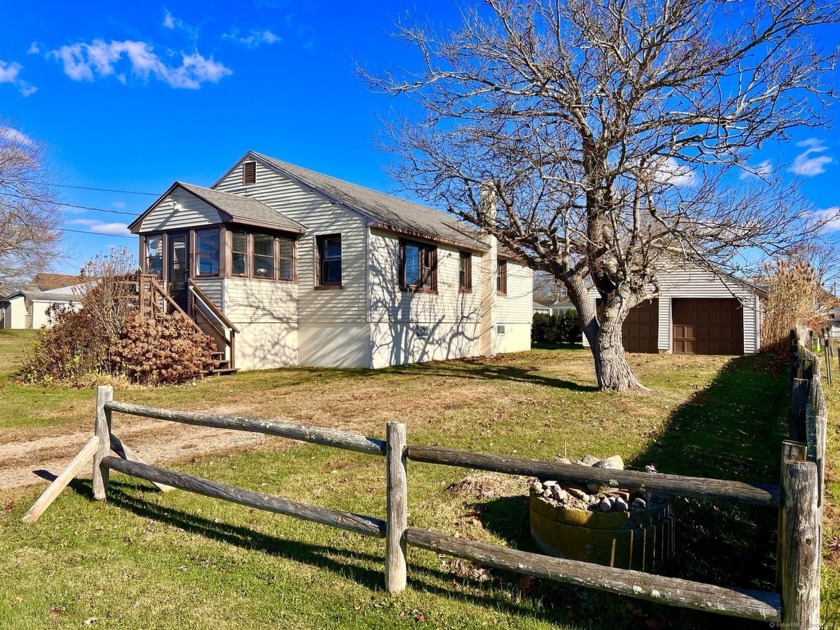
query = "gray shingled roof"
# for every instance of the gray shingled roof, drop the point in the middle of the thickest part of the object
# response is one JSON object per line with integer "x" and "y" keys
{"x": 244, "y": 209}
{"x": 388, "y": 212}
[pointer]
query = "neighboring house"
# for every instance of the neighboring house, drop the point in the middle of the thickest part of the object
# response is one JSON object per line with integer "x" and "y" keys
{"x": 834, "y": 323}
{"x": 695, "y": 312}
{"x": 49, "y": 281}
{"x": 28, "y": 309}
{"x": 312, "y": 270}
{"x": 553, "y": 308}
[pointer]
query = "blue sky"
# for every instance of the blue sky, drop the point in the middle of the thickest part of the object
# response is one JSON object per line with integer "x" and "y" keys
{"x": 132, "y": 96}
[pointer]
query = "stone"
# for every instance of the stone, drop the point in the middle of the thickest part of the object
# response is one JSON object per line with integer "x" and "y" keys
{"x": 621, "y": 504}
{"x": 536, "y": 487}
{"x": 639, "y": 502}
{"x": 558, "y": 493}
{"x": 612, "y": 463}
{"x": 651, "y": 468}
{"x": 562, "y": 460}
{"x": 579, "y": 494}
{"x": 588, "y": 460}
{"x": 546, "y": 493}
{"x": 605, "y": 505}
{"x": 549, "y": 484}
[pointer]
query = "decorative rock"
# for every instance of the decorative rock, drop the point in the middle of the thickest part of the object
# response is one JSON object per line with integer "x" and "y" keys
{"x": 650, "y": 468}
{"x": 562, "y": 460}
{"x": 579, "y": 494}
{"x": 558, "y": 493}
{"x": 536, "y": 487}
{"x": 588, "y": 460}
{"x": 549, "y": 484}
{"x": 621, "y": 504}
{"x": 546, "y": 493}
{"x": 639, "y": 502}
{"x": 605, "y": 505}
{"x": 613, "y": 463}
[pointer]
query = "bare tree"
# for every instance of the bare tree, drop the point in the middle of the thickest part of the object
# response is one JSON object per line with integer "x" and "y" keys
{"x": 29, "y": 214}
{"x": 617, "y": 137}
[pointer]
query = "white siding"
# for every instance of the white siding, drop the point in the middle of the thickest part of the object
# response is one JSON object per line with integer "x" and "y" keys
{"x": 413, "y": 327}
{"x": 265, "y": 312}
{"x": 192, "y": 212}
{"x": 212, "y": 288}
{"x": 343, "y": 346}
{"x": 515, "y": 310}
{"x": 320, "y": 217}
{"x": 17, "y": 308}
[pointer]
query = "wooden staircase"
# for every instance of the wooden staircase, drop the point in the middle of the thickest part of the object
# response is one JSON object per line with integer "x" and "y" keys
{"x": 202, "y": 312}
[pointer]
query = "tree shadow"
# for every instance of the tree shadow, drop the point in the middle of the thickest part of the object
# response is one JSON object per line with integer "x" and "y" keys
{"x": 483, "y": 369}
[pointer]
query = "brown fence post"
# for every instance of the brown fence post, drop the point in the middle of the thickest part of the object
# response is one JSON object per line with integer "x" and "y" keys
{"x": 828, "y": 359}
{"x": 801, "y": 553}
{"x": 791, "y": 452}
{"x": 104, "y": 394}
{"x": 397, "y": 521}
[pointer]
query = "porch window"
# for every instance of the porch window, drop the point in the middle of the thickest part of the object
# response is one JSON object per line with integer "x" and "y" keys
{"x": 465, "y": 272}
{"x": 154, "y": 255}
{"x": 501, "y": 278}
{"x": 239, "y": 253}
{"x": 207, "y": 252}
{"x": 263, "y": 258}
{"x": 418, "y": 266}
{"x": 286, "y": 258}
{"x": 329, "y": 260}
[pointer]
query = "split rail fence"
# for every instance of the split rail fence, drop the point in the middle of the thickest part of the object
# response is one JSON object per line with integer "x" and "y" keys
{"x": 794, "y": 604}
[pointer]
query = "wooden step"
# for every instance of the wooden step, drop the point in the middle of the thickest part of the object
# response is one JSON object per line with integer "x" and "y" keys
{"x": 222, "y": 371}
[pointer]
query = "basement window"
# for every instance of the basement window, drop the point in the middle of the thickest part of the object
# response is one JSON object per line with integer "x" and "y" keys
{"x": 423, "y": 332}
{"x": 500, "y": 329}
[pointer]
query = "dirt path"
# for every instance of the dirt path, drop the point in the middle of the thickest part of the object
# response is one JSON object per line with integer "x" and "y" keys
{"x": 34, "y": 462}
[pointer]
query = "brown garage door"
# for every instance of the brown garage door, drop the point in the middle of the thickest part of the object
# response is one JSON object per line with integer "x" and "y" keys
{"x": 641, "y": 328}
{"x": 708, "y": 326}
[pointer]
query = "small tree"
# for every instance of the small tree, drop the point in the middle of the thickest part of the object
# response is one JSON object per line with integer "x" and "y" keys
{"x": 107, "y": 291}
{"x": 615, "y": 137}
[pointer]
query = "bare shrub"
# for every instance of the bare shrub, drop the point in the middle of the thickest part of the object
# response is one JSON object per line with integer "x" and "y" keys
{"x": 161, "y": 350}
{"x": 108, "y": 291}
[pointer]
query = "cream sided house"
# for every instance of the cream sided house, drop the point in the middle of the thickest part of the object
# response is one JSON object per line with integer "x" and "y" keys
{"x": 300, "y": 268}
{"x": 30, "y": 308}
{"x": 695, "y": 312}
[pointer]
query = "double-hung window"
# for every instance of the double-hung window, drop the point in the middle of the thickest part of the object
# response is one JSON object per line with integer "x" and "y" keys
{"x": 465, "y": 272}
{"x": 501, "y": 277}
{"x": 154, "y": 255}
{"x": 418, "y": 267}
{"x": 262, "y": 260}
{"x": 329, "y": 260}
{"x": 239, "y": 253}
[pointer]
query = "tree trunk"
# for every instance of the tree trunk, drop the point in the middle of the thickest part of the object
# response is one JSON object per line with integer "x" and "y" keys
{"x": 604, "y": 336}
{"x": 611, "y": 367}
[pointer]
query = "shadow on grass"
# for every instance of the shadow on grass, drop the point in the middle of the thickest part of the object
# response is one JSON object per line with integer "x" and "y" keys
{"x": 731, "y": 429}
{"x": 343, "y": 562}
{"x": 484, "y": 369}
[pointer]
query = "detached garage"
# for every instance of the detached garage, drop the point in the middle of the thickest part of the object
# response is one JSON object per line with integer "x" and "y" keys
{"x": 695, "y": 312}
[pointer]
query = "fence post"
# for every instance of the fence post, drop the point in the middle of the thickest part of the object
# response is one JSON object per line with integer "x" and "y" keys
{"x": 397, "y": 521}
{"x": 104, "y": 394}
{"x": 796, "y": 452}
{"x": 801, "y": 555}
{"x": 828, "y": 359}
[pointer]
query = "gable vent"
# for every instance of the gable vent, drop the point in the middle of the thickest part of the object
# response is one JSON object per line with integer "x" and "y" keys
{"x": 249, "y": 173}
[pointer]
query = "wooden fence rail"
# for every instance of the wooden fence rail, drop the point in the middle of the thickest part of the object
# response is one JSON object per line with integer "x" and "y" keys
{"x": 798, "y": 602}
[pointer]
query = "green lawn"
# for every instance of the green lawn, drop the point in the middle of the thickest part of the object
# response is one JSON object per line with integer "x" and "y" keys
{"x": 176, "y": 560}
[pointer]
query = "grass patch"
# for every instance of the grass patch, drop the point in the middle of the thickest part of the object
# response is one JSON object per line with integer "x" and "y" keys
{"x": 176, "y": 560}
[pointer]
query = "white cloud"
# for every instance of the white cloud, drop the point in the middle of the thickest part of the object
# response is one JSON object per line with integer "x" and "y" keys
{"x": 100, "y": 227}
{"x": 831, "y": 217}
{"x": 83, "y": 62}
{"x": 808, "y": 163}
{"x": 15, "y": 137}
{"x": 668, "y": 171}
{"x": 170, "y": 21}
{"x": 255, "y": 37}
{"x": 119, "y": 205}
{"x": 763, "y": 170}
{"x": 34, "y": 49}
{"x": 10, "y": 73}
